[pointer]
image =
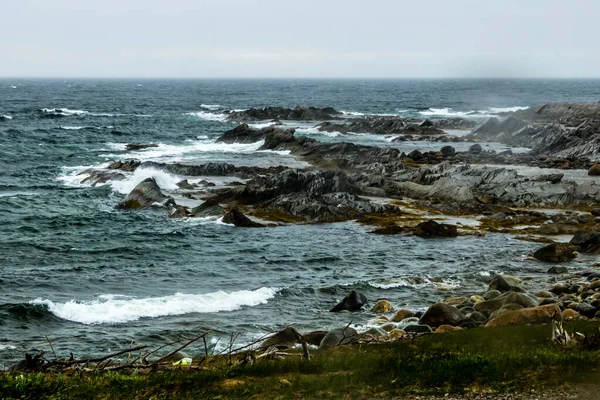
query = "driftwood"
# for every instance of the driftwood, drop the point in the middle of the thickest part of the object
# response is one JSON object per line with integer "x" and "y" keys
{"x": 249, "y": 354}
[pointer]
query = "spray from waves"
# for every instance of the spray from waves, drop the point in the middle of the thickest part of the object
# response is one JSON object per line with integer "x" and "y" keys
{"x": 315, "y": 131}
{"x": 171, "y": 152}
{"x": 415, "y": 283}
{"x": 209, "y": 116}
{"x": 111, "y": 309}
{"x": 66, "y": 112}
{"x": 476, "y": 114}
{"x": 212, "y": 107}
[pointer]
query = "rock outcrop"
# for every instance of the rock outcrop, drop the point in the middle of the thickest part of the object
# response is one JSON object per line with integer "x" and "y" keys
{"x": 299, "y": 113}
{"x": 354, "y": 301}
{"x": 146, "y": 194}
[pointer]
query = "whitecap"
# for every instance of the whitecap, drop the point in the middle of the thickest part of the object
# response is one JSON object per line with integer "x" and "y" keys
{"x": 64, "y": 111}
{"x": 7, "y": 117}
{"x": 474, "y": 114}
{"x": 111, "y": 309}
{"x": 495, "y": 110}
{"x": 316, "y": 131}
{"x": 352, "y": 113}
{"x": 172, "y": 152}
{"x": 212, "y": 107}
{"x": 72, "y": 128}
{"x": 208, "y": 116}
{"x": 261, "y": 125}
{"x": 13, "y": 87}
{"x": 165, "y": 180}
{"x": 7, "y": 347}
{"x": 407, "y": 282}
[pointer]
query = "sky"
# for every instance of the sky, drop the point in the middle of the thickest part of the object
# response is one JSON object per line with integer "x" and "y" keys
{"x": 300, "y": 39}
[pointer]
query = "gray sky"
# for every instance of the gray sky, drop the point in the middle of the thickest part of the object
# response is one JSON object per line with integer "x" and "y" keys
{"x": 277, "y": 38}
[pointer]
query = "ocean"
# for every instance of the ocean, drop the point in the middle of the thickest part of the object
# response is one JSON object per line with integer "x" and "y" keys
{"x": 93, "y": 278}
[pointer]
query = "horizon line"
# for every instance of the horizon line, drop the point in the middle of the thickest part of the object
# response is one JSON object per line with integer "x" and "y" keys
{"x": 305, "y": 78}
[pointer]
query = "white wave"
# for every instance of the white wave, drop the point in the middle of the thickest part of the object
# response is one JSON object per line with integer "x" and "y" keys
{"x": 13, "y": 87}
{"x": 110, "y": 309}
{"x": 171, "y": 152}
{"x": 70, "y": 175}
{"x": 212, "y": 107}
{"x": 261, "y": 125}
{"x": 7, "y": 347}
{"x": 164, "y": 180}
{"x": 208, "y": 116}
{"x": 64, "y": 111}
{"x": 475, "y": 114}
{"x": 72, "y": 128}
{"x": 316, "y": 131}
{"x": 407, "y": 282}
{"x": 494, "y": 110}
{"x": 353, "y": 113}
{"x": 201, "y": 137}
{"x": 7, "y": 117}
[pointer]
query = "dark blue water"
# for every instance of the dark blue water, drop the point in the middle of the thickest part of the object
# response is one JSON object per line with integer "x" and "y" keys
{"x": 93, "y": 278}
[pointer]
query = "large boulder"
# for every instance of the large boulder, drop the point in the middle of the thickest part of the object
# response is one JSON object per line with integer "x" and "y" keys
{"x": 210, "y": 208}
{"x": 556, "y": 252}
{"x": 441, "y": 314}
{"x": 354, "y": 301}
{"x": 402, "y": 314}
{"x": 527, "y": 316}
{"x": 237, "y": 218}
{"x": 339, "y": 336}
{"x": 587, "y": 241}
{"x": 594, "y": 170}
{"x": 522, "y": 299}
{"x": 146, "y": 194}
{"x": 285, "y": 338}
{"x": 433, "y": 229}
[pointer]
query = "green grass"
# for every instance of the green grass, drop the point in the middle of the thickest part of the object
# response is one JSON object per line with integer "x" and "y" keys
{"x": 478, "y": 360}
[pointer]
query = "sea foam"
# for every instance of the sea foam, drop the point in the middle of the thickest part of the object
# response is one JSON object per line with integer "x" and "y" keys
{"x": 111, "y": 309}
{"x": 208, "y": 116}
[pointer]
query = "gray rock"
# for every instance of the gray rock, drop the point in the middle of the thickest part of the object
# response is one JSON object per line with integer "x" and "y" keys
{"x": 339, "y": 336}
{"x": 418, "y": 329}
{"x": 146, "y": 194}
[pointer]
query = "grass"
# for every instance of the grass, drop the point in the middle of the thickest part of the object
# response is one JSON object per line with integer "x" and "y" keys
{"x": 473, "y": 361}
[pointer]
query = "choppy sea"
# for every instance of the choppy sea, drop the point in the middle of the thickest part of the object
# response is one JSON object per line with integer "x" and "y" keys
{"x": 93, "y": 278}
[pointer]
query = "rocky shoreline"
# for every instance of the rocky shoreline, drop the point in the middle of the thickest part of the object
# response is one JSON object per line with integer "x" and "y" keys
{"x": 397, "y": 193}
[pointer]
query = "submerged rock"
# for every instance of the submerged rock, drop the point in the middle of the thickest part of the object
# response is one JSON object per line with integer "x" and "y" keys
{"x": 237, "y": 218}
{"x": 139, "y": 146}
{"x": 146, "y": 194}
{"x": 433, "y": 229}
{"x": 382, "y": 306}
{"x": 354, "y": 301}
{"x": 556, "y": 252}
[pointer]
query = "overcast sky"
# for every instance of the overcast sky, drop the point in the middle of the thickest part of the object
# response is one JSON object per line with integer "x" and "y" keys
{"x": 278, "y": 38}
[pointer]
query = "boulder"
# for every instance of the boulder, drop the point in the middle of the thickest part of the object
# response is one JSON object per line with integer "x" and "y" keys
{"x": 500, "y": 283}
{"x": 146, "y": 194}
{"x": 560, "y": 288}
{"x": 492, "y": 293}
{"x": 476, "y": 299}
{"x": 558, "y": 270}
{"x": 397, "y": 334}
{"x": 433, "y": 229}
{"x": 527, "y": 316}
{"x": 595, "y": 212}
{"x": 448, "y": 151}
{"x": 490, "y": 305}
{"x": 402, "y": 314}
{"x": 339, "y": 336}
{"x": 594, "y": 170}
{"x": 354, "y": 301}
{"x": 441, "y": 314}
{"x": 556, "y": 252}
{"x": 585, "y": 309}
{"x": 455, "y": 301}
{"x": 139, "y": 146}
{"x": 447, "y": 328}
{"x": 418, "y": 329}
{"x": 475, "y": 149}
{"x": 569, "y": 314}
{"x": 285, "y": 338}
{"x": 382, "y": 306}
{"x": 237, "y": 218}
{"x": 587, "y": 241}
{"x": 315, "y": 338}
{"x": 184, "y": 184}
{"x": 210, "y": 208}
{"x": 522, "y": 299}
